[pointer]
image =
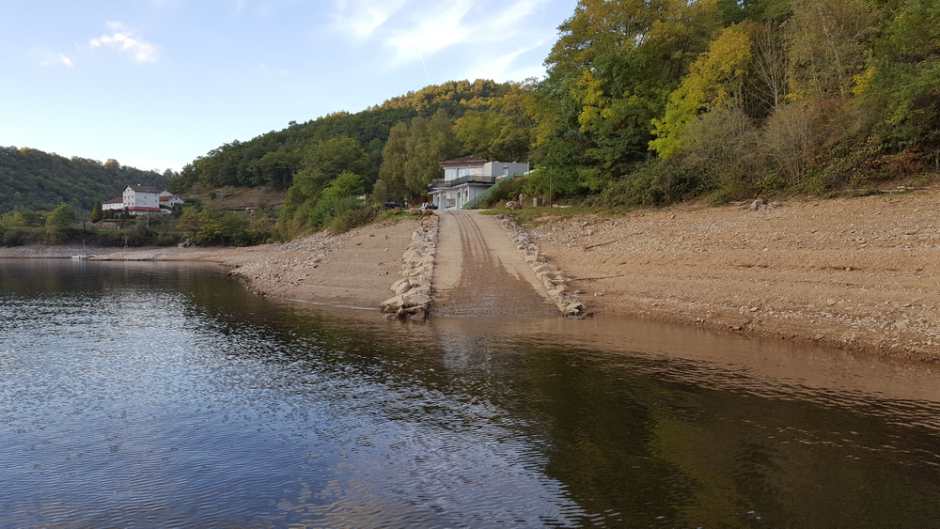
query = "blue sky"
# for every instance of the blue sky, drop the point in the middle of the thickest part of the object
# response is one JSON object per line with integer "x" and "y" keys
{"x": 156, "y": 83}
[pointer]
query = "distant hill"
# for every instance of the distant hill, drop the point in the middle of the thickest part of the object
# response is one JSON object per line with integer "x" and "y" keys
{"x": 271, "y": 159}
{"x": 33, "y": 180}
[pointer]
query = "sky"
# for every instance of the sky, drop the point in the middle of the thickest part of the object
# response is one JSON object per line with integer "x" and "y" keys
{"x": 156, "y": 83}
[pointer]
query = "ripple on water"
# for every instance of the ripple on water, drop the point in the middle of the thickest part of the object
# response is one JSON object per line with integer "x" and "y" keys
{"x": 183, "y": 405}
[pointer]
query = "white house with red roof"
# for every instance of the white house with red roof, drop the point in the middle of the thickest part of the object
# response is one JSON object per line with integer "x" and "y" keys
{"x": 466, "y": 178}
{"x": 141, "y": 200}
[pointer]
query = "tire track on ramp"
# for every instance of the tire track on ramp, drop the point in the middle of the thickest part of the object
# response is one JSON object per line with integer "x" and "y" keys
{"x": 478, "y": 271}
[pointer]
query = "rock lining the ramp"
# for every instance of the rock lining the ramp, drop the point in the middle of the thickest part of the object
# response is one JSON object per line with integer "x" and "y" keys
{"x": 413, "y": 291}
{"x": 553, "y": 279}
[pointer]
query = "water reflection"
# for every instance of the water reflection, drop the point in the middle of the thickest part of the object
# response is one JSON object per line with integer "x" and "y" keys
{"x": 143, "y": 394}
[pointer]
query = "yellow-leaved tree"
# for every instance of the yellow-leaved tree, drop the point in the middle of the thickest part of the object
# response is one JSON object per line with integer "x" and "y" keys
{"x": 715, "y": 79}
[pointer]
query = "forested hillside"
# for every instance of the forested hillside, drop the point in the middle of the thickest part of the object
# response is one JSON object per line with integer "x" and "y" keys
{"x": 32, "y": 180}
{"x": 273, "y": 158}
{"x": 643, "y": 103}
{"x": 651, "y": 102}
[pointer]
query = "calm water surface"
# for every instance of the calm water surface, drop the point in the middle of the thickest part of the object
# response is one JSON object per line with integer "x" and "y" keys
{"x": 141, "y": 395}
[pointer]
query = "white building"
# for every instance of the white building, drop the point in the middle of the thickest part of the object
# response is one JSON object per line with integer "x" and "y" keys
{"x": 466, "y": 178}
{"x": 141, "y": 200}
{"x": 169, "y": 199}
{"x": 116, "y": 204}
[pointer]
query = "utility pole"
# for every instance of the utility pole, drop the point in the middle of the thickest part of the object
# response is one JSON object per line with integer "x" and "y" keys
{"x": 549, "y": 188}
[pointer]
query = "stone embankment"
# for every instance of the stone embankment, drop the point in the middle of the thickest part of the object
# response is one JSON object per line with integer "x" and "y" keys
{"x": 554, "y": 280}
{"x": 413, "y": 291}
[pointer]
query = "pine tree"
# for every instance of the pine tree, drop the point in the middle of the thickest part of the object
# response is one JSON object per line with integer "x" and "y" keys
{"x": 96, "y": 213}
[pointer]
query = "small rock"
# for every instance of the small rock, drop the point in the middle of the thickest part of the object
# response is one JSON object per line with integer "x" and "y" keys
{"x": 830, "y": 302}
{"x": 756, "y": 205}
{"x": 598, "y": 294}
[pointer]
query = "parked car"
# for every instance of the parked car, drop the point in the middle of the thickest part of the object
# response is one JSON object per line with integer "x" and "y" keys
{"x": 392, "y": 205}
{"x": 428, "y": 205}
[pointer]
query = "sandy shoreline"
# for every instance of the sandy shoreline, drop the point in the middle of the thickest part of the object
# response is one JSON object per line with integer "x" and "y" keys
{"x": 859, "y": 274}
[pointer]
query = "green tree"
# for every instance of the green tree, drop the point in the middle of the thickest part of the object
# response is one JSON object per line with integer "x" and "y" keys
{"x": 322, "y": 163}
{"x": 394, "y": 159}
{"x": 13, "y": 220}
{"x": 902, "y": 84}
{"x": 233, "y": 229}
{"x": 609, "y": 76}
{"x": 430, "y": 141}
{"x": 276, "y": 169}
{"x": 59, "y": 224}
{"x": 347, "y": 184}
{"x": 826, "y": 42}
{"x": 342, "y": 195}
{"x": 189, "y": 222}
{"x": 96, "y": 212}
{"x": 505, "y": 131}
{"x": 715, "y": 79}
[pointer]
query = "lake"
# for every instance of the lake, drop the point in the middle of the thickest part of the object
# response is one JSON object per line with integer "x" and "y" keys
{"x": 161, "y": 394}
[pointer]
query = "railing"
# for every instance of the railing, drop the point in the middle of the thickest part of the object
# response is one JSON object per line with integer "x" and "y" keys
{"x": 475, "y": 201}
{"x": 472, "y": 179}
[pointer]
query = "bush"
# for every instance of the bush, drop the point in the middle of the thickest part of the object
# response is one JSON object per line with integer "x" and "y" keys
{"x": 653, "y": 183}
{"x": 507, "y": 190}
{"x": 724, "y": 147}
{"x": 168, "y": 239}
{"x": 329, "y": 207}
{"x": 353, "y": 218}
{"x": 12, "y": 238}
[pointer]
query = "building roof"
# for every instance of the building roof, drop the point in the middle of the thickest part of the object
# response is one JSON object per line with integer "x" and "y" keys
{"x": 166, "y": 194}
{"x": 466, "y": 160}
{"x": 118, "y": 200}
{"x": 143, "y": 189}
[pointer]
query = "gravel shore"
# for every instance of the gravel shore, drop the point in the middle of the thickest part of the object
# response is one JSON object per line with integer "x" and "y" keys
{"x": 861, "y": 274}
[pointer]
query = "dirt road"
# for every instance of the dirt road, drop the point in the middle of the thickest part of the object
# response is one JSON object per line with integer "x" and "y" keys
{"x": 478, "y": 271}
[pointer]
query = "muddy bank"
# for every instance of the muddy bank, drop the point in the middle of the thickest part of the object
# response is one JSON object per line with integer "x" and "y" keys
{"x": 861, "y": 274}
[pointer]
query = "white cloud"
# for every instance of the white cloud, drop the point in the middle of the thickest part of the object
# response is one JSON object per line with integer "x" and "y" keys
{"x": 503, "y": 68}
{"x": 51, "y": 58}
{"x": 412, "y": 29}
{"x": 123, "y": 40}
{"x": 431, "y": 32}
{"x": 363, "y": 17}
{"x": 47, "y": 57}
